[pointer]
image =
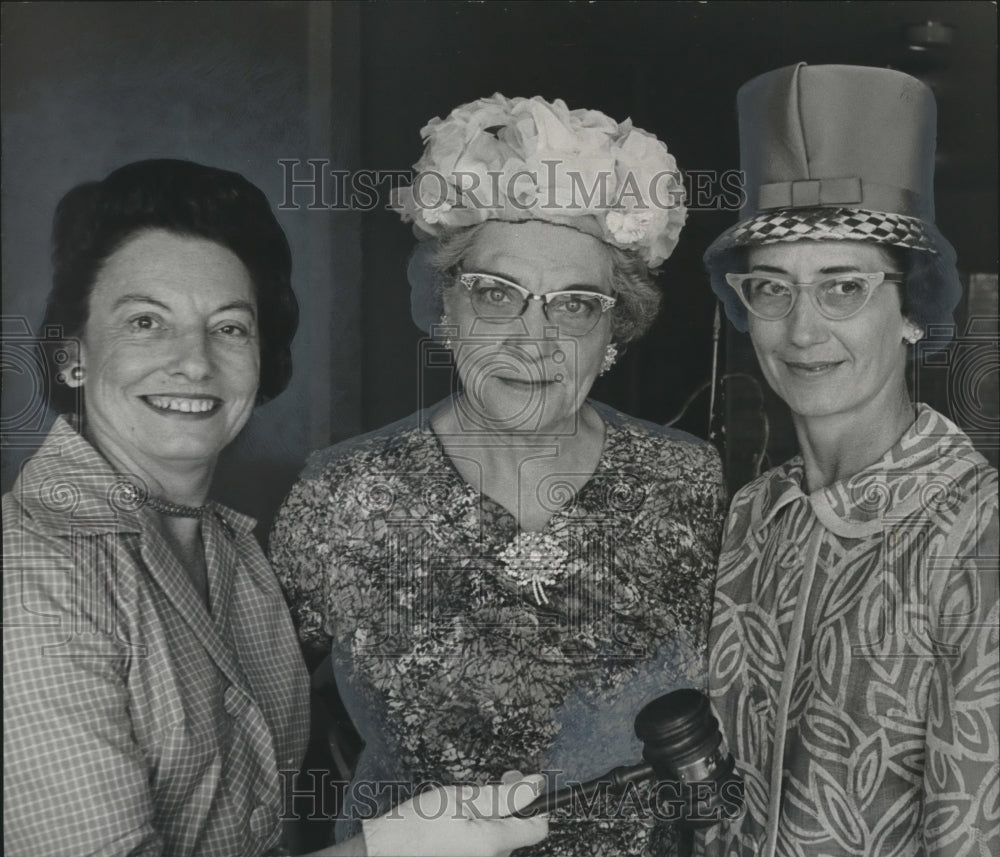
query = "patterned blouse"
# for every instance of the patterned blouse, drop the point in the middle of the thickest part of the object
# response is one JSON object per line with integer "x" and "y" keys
{"x": 454, "y": 665}
{"x": 854, "y": 656}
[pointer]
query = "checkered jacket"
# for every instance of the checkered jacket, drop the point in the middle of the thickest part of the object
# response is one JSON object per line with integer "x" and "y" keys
{"x": 136, "y": 721}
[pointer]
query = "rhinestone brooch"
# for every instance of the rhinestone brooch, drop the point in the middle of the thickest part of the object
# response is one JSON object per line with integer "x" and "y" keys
{"x": 535, "y": 559}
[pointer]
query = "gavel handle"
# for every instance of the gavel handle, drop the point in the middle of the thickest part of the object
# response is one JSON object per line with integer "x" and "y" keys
{"x": 614, "y": 781}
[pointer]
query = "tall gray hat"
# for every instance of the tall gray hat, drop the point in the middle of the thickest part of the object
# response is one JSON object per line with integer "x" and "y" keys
{"x": 835, "y": 153}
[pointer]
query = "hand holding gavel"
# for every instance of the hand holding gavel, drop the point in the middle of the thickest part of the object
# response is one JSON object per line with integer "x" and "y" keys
{"x": 683, "y": 752}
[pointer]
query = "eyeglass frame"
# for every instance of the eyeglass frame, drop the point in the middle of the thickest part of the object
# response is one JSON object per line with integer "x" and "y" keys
{"x": 606, "y": 301}
{"x": 874, "y": 278}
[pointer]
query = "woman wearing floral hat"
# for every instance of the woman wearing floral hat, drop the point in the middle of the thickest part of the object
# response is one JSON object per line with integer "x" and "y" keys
{"x": 505, "y": 578}
{"x": 853, "y": 650}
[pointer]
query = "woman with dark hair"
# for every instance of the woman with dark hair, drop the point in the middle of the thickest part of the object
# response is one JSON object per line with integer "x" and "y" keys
{"x": 186, "y": 199}
{"x": 853, "y": 649}
{"x": 154, "y": 692}
{"x": 507, "y": 577}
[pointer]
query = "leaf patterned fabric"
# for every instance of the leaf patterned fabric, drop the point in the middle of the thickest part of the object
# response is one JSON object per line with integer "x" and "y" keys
{"x": 861, "y": 621}
{"x": 451, "y": 669}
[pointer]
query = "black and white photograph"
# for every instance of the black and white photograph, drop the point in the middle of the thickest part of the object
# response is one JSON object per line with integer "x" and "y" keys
{"x": 467, "y": 429}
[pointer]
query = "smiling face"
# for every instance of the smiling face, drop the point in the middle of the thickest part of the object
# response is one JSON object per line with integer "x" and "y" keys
{"x": 822, "y": 367}
{"x": 170, "y": 352}
{"x": 522, "y": 374}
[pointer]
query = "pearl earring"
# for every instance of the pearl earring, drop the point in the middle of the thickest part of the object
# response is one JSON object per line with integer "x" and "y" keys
{"x": 610, "y": 356}
{"x": 916, "y": 334}
{"x": 76, "y": 373}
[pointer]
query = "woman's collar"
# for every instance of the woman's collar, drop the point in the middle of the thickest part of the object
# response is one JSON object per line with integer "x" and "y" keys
{"x": 67, "y": 487}
{"x": 899, "y": 481}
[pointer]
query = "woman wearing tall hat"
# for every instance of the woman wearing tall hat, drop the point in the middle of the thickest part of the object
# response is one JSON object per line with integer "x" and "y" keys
{"x": 505, "y": 578}
{"x": 853, "y": 650}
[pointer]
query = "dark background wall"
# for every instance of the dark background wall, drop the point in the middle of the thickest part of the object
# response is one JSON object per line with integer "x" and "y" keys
{"x": 675, "y": 69}
{"x": 87, "y": 87}
{"x": 90, "y": 86}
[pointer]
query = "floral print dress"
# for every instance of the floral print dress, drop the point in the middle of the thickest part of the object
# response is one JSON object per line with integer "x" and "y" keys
{"x": 463, "y": 649}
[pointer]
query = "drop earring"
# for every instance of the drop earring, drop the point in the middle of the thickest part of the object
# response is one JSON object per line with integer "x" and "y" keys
{"x": 445, "y": 329}
{"x": 610, "y": 357}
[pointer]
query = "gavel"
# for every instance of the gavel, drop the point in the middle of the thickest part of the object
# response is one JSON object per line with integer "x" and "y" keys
{"x": 683, "y": 752}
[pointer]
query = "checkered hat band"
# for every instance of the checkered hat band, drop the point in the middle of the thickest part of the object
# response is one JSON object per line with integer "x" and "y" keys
{"x": 833, "y": 224}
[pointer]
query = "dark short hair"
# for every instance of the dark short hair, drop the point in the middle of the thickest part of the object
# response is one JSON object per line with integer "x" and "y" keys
{"x": 95, "y": 219}
{"x": 924, "y": 298}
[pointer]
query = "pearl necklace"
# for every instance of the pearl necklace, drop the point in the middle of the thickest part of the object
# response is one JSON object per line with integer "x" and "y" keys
{"x": 175, "y": 510}
{"x": 136, "y": 497}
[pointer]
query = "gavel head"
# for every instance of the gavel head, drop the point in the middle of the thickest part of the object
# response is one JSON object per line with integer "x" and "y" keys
{"x": 696, "y": 780}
